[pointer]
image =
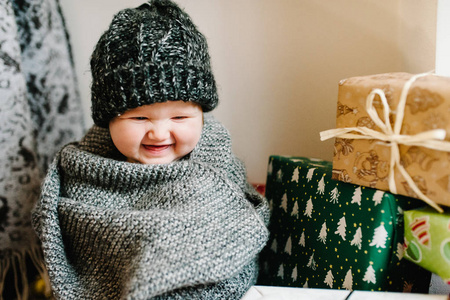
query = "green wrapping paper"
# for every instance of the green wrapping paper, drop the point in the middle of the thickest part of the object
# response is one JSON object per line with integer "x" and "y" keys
{"x": 330, "y": 234}
{"x": 427, "y": 240}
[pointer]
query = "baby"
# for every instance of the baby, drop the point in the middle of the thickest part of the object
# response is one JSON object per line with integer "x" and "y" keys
{"x": 158, "y": 133}
{"x": 151, "y": 203}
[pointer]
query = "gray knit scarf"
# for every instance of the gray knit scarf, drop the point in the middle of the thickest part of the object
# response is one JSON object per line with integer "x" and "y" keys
{"x": 191, "y": 229}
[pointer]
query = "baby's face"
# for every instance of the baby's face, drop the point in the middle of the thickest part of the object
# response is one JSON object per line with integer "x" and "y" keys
{"x": 157, "y": 133}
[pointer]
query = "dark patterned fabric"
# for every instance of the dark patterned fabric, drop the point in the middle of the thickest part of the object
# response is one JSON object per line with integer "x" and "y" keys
{"x": 40, "y": 111}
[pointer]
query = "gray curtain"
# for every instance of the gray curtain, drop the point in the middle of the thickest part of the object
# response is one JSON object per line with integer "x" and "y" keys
{"x": 40, "y": 111}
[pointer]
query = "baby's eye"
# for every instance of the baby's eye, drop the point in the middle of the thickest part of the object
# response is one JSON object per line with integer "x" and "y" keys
{"x": 179, "y": 117}
{"x": 139, "y": 118}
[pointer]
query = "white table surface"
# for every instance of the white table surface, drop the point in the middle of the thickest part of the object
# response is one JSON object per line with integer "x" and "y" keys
{"x": 287, "y": 293}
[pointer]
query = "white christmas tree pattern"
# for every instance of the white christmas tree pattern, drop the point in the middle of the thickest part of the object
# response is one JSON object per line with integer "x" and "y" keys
{"x": 379, "y": 237}
{"x": 399, "y": 215}
{"x": 348, "y": 281}
{"x": 298, "y": 160}
{"x": 281, "y": 271}
{"x": 321, "y": 186}
{"x": 288, "y": 247}
{"x": 357, "y": 238}
{"x": 306, "y": 284}
{"x": 280, "y": 175}
{"x": 295, "y": 175}
{"x": 295, "y": 210}
{"x": 323, "y": 233}
{"x": 294, "y": 274}
{"x": 274, "y": 246}
{"x": 329, "y": 279}
{"x": 270, "y": 168}
{"x": 400, "y": 251}
{"x": 310, "y": 174}
{"x": 309, "y": 208}
{"x": 357, "y": 196}
{"x": 302, "y": 240}
{"x": 271, "y": 204}
{"x": 378, "y": 197}
{"x": 342, "y": 225}
{"x": 334, "y": 195}
{"x": 284, "y": 201}
{"x": 311, "y": 263}
{"x": 369, "y": 276}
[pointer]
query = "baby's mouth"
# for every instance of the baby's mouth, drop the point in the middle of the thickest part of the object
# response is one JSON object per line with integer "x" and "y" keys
{"x": 156, "y": 147}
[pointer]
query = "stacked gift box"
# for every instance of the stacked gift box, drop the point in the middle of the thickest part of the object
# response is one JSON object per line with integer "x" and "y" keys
{"x": 409, "y": 111}
{"x": 414, "y": 109}
{"x": 330, "y": 234}
{"x": 377, "y": 216}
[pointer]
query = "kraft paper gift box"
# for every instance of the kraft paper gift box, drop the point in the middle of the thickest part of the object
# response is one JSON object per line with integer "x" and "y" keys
{"x": 330, "y": 234}
{"x": 427, "y": 240}
{"x": 414, "y": 118}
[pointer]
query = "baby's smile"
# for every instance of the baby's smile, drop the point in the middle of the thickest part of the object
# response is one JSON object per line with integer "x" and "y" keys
{"x": 157, "y": 148}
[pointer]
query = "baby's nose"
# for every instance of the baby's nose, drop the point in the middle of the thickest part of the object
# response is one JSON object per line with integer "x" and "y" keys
{"x": 159, "y": 132}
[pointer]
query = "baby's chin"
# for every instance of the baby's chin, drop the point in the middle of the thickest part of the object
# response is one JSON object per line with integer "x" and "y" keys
{"x": 152, "y": 161}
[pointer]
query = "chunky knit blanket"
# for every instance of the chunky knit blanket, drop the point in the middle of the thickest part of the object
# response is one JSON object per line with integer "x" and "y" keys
{"x": 191, "y": 229}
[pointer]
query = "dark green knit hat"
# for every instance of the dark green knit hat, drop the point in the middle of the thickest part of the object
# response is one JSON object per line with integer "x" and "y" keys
{"x": 149, "y": 54}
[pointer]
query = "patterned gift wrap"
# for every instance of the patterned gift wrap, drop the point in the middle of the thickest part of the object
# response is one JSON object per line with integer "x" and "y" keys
{"x": 369, "y": 149}
{"x": 427, "y": 240}
{"x": 331, "y": 234}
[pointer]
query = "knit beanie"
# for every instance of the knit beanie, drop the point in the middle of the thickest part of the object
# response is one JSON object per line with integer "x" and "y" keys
{"x": 152, "y": 53}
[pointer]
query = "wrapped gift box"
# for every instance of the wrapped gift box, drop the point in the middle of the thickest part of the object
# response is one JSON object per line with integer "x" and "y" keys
{"x": 330, "y": 234}
{"x": 367, "y": 161}
{"x": 427, "y": 240}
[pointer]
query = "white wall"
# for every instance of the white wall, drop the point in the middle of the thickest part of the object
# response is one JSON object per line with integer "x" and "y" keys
{"x": 278, "y": 63}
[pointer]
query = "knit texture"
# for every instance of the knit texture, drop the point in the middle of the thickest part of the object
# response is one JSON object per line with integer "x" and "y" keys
{"x": 149, "y": 54}
{"x": 191, "y": 229}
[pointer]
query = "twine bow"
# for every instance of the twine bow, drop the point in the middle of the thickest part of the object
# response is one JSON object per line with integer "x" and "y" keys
{"x": 432, "y": 139}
